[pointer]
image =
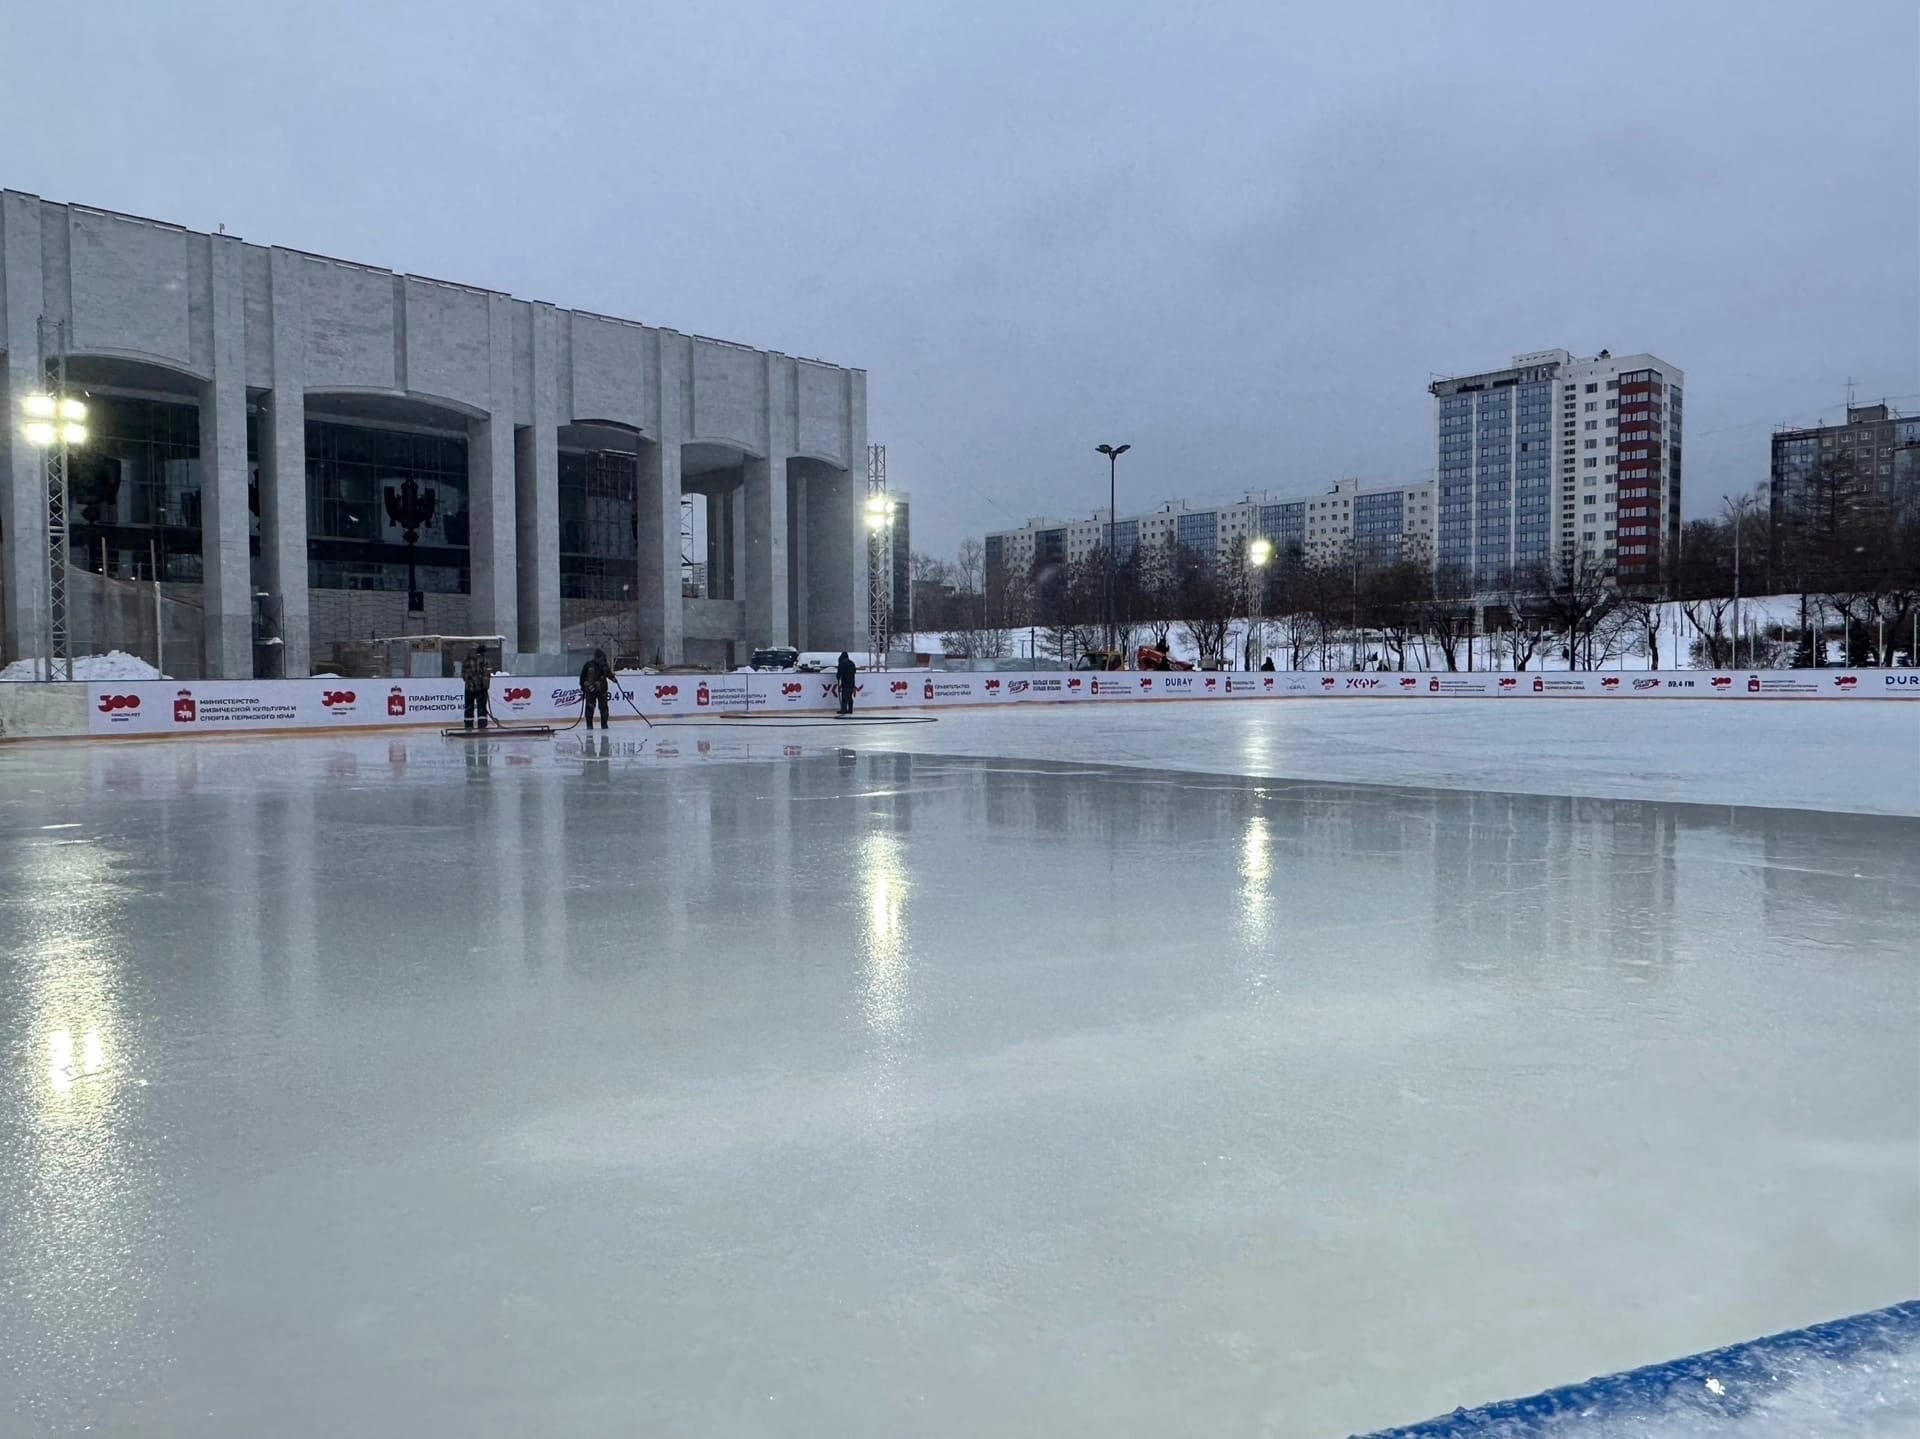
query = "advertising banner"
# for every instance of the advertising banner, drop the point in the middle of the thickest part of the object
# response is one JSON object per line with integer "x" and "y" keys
{"x": 136, "y": 707}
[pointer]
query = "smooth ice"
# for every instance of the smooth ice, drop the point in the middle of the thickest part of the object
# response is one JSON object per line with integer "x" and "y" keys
{"x": 865, "y": 1081}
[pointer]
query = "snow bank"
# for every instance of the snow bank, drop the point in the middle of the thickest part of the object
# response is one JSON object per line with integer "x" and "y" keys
{"x": 113, "y": 665}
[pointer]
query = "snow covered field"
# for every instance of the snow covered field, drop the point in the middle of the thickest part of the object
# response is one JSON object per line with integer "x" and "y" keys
{"x": 1301, "y": 1069}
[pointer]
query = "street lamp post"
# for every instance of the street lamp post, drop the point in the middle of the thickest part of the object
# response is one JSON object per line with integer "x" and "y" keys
{"x": 52, "y": 422}
{"x": 410, "y": 507}
{"x": 1259, "y": 553}
{"x": 1113, "y": 454}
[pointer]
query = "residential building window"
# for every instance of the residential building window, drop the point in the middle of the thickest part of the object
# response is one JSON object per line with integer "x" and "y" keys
{"x": 1592, "y": 460}
{"x": 1591, "y": 389}
{"x": 1593, "y": 424}
{"x": 1593, "y": 444}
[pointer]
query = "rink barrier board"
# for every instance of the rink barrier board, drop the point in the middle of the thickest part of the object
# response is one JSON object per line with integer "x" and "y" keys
{"x": 1701, "y": 1393}
{"x": 152, "y": 707}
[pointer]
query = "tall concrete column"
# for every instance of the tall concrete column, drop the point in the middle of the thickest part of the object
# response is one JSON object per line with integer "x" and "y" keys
{"x": 227, "y": 597}
{"x": 491, "y": 484}
{"x": 764, "y": 551}
{"x": 836, "y": 561}
{"x": 797, "y": 570}
{"x": 737, "y": 538}
{"x": 283, "y": 468}
{"x": 490, "y": 532}
{"x": 23, "y": 497}
{"x": 657, "y": 561}
{"x": 536, "y": 467}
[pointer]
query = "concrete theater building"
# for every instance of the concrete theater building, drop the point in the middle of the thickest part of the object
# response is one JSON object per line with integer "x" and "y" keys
{"x": 254, "y": 410}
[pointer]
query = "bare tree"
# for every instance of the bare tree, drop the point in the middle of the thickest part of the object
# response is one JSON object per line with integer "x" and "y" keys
{"x": 1213, "y": 598}
{"x": 1446, "y": 612}
{"x": 1576, "y": 600}
{"x": 1391, "y": 601}
{"x": 931, "y": 569}
{"x": 970, "y": 566}
{"x": 1645, "y": 617}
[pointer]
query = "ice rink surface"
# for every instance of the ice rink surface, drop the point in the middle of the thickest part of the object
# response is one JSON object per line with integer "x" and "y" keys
{"x": 1296, "y": 1068}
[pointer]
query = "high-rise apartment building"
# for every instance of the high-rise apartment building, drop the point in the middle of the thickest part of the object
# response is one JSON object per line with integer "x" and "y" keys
{"x": 1556, "y": 462}
{"x": 1870, "y": 463}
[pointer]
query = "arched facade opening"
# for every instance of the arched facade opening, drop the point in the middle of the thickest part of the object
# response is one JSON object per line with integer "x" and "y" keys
{"x": 599, "y": 470}
{"x": 135, "y": 487}
{"x": 389, "y": 538}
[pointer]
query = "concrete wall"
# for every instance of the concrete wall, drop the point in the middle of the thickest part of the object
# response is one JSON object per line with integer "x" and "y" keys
{"x": 249, "y": 324}
{"x": 354, "y": 616}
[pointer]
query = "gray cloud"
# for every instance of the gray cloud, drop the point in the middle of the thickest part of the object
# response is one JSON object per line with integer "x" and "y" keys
{"x": 1239, "y": 236}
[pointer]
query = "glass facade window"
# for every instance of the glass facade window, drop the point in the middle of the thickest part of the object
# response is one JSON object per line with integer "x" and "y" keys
{"x": 134, "y": 488}
{"x": 352, "y": 542}
{"x": 599, "y": 524}
{"x": 1199, "y": 532}
{"x": 1379, "y": 527}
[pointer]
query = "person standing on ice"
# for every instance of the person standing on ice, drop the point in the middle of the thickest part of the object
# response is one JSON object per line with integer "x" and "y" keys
{"x": 479, "y": 677}
{"x": 849, "y": 674}
{"x": 596, "y": 677}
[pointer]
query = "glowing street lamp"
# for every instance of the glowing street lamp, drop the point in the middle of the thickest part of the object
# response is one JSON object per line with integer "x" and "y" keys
{"x": 46, "y": 421}
{"x": 1259, "y": 555}
{"x": 879, "y": 512}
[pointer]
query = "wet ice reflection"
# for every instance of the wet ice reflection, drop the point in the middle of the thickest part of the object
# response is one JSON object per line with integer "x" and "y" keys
{"x": 486, "y": 1082}
{"x": 884, "y": 944}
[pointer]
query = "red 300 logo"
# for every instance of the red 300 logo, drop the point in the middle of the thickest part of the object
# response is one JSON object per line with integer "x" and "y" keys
{"x": 338, "y": 699}
{"x": 516, "y": 693}
{"x": 666, "y": 692}
{"x": 110, "y": 703}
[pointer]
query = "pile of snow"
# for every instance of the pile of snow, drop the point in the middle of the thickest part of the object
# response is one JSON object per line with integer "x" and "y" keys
{"x": 113, "y": 665}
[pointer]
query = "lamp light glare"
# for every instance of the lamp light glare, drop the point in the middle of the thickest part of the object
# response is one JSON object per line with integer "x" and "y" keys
{"x": 37, "y": 407}
{"x": 39, "y": 433}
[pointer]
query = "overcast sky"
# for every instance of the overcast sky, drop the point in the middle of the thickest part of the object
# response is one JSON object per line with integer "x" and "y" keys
{"x": 1240, "y": 237}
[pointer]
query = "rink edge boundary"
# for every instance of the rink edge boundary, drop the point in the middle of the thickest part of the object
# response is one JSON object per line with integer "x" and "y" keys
{"x": 1725, "y": 1383}
{"x": 74, "y": 726}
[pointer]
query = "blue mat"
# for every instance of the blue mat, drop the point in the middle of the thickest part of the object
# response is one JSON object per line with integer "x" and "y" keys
{"x": 1711, "y": 1393}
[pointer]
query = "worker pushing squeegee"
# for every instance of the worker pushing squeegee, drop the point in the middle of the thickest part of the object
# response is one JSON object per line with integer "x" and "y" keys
{"x": 478, "y": 675}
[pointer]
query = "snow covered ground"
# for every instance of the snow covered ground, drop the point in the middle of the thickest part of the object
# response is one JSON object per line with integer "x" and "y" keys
{"x": 1758, "y": 615}
{"x": 113, "y": 665}
{"x": 1076, "y": 1071}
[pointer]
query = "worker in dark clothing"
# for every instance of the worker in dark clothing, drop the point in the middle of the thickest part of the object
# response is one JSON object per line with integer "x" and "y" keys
{"x": 1267, "y": 664}
{"x": 849, "y": 675}
{"x": 596, "y": 678}
{"x": 479, "y": 677}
